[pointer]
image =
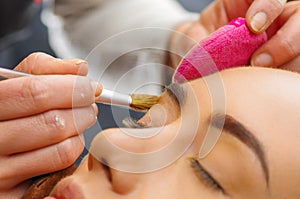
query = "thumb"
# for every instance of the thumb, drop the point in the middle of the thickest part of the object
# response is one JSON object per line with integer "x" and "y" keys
{"x": 262, "y": 13}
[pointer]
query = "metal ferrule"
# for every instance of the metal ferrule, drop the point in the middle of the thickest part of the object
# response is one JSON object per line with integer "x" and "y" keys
{"x": 115, "y": 98}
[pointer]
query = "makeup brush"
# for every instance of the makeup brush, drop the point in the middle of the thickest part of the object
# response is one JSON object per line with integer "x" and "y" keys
{"x": 135, "y": 101}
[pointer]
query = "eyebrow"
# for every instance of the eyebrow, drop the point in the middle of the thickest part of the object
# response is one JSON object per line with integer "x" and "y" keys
{"x": 176, "y": 92}
{"x": 238, "y": 130}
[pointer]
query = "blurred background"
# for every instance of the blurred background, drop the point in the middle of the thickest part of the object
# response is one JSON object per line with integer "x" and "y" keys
{"x": 31, "y": 34}
{"x": 195, "y": 5}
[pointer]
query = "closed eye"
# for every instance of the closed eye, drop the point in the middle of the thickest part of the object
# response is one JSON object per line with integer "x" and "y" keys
{"x": 205, "y": 177}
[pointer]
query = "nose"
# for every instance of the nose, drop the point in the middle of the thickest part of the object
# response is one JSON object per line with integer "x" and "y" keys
{"x": 137, "y": 150}
{"x": 131, "y": 154}
{"x": 140, "y": 185}
{"x": 147, "y": 149}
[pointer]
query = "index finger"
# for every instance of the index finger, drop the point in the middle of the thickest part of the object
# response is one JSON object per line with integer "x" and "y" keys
{"x": 28, "y": 96}
{"x": 262, "y": 13}
{"x": 41, "y": 63}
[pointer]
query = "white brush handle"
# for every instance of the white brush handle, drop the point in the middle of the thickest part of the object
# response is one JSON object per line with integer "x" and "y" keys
{"x": 8, "y": 74}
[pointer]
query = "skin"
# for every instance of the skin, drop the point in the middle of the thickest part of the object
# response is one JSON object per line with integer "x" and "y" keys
{"x": 47, "y": 135}
{"x": 282, "y": 28}
{"x": 265, "y": 101}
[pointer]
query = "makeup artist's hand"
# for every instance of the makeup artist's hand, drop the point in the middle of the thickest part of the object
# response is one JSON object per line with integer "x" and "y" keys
{"x": 42, "y": 117}
{"x": 278, "y": 18}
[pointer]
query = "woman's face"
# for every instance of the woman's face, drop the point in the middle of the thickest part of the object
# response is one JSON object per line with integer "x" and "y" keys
{"x": 256, "y": 155}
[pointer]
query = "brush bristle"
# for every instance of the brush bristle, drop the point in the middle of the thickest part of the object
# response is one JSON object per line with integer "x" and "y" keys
{"x": 143, "y": 101}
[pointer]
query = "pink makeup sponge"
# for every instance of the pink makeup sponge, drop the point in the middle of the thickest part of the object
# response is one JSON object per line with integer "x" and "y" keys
{"x": 231, "y": 45}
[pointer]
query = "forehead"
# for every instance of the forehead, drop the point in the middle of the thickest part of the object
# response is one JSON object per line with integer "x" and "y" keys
{"x": 258, "y": 90}
{"x": 263, "y": 95}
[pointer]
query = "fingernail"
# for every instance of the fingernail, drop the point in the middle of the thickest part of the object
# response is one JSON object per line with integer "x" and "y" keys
{"x": 82, "y": 63}
{"x": 263, "y": 59}
{"x": 97, "y": 88}
{"x": 259, "y": 21}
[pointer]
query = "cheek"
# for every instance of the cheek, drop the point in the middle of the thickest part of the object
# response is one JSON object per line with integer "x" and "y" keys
{"x": 91, "y": 172}
{"x": 179, "y": 181}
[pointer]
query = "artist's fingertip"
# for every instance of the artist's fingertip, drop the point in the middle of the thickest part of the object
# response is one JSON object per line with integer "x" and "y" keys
{"x": 84, "y": 66}
{"x": 263, "y": 59}
{"x": 258, "y": 22}
{"x": 97, "y": 88}
{"x": 82, "y": 63}
{"x": 95, "y": 108}
{"x": 79, "y": 62}
{"x": 262, "y": 13}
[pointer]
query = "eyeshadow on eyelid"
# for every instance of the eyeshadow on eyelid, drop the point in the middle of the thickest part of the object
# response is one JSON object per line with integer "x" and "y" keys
{"x": 176, "y": 92}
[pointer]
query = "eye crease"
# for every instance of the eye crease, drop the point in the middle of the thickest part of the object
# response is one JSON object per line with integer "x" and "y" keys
{"x": 176, "y": 92}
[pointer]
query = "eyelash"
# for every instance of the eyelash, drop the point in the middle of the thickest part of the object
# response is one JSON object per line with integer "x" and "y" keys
{"x": 205, "y": 176}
